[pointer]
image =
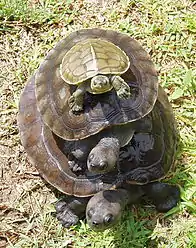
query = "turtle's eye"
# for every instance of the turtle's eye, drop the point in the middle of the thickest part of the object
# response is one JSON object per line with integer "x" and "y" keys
{"x": 90, "y": 213}
{"x": 103, "y": 164}
{"x": 106, "y": 81}
{"x": 108, "y": 218}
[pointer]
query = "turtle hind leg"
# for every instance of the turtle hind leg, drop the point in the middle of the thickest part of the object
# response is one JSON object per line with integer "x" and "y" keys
{"x": 163, "y": 195}
{"x": 70, "y": 210}
{"x": 121, "y": 87}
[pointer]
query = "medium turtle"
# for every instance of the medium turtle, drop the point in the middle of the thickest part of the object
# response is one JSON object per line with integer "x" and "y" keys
{"x": 87, "y": 51}
{"x": 94, "y": 65}
{"x": 53, "y": 94}
{"x": 146, "y": 158}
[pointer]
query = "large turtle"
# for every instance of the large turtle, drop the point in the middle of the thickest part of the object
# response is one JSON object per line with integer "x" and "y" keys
{"x": 75, "y": 53}
{"x": 146, "y": 158}
{"x": 94, "y": 65}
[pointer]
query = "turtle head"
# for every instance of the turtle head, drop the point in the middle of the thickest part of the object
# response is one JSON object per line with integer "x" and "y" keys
{"x": 104, "y": 156}
{"x": 100, "y": 84}
{"x": 103, "y": 210}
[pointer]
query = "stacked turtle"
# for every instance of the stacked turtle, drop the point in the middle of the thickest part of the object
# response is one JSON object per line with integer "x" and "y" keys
{"x": 97, "y": 126}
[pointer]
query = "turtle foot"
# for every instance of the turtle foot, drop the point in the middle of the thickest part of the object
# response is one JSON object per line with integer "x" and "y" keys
{"x": 65, "y": 215}
{"x": 144, "y": 175}
{"x": 74, "y": 166}
{"x": 163, "y": 195}
{"x": 74, "y": 106}
{"x": 170, "y": 201}
{"x": 124, "y": 93}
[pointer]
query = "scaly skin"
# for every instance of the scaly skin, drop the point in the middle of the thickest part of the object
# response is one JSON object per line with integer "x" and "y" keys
{"x": 121, "y": 87}
{"x": 104, "y": 156}
{"x": 99, "y": 84}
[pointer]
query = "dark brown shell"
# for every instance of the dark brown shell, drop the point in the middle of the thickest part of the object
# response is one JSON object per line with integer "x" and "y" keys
{"x": 44, "y": 153}
{"x": 52, "y": 92}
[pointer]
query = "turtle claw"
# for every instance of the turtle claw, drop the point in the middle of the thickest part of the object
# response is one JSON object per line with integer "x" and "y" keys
{"x": 138, "y": 175}
{"x": 146, "y": 175}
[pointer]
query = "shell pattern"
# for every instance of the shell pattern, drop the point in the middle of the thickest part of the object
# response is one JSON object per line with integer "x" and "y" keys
{"x": 91, "y": 57}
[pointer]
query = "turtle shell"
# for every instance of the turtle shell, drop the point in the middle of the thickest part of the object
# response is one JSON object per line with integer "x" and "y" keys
{"x": 91, "y": 57}
{"x": 101, "y": 111}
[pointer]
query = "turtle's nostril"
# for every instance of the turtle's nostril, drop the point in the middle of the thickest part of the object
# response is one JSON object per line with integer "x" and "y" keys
{"x": 95, "y": 223}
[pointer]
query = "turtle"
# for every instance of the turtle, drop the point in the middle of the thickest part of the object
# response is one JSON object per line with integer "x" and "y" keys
{"x": 98, "y": 153}
{"x": 53, "y": 94}
{"x": 95, "y": 65}
{"x": 145, "y": 160}
{"x": 100, "y": 111}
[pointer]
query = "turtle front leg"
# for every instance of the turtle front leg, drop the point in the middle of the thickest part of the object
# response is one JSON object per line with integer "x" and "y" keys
{"x": 70, "y": 210}
{"x": 121, "y": 87}
{"x": 76, "y": 100}
{"x": 163, "y": 195}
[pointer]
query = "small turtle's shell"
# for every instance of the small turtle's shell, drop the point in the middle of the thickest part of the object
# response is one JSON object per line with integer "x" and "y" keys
{"x": 100, "y": 111}
{"x": 91, "y": 57}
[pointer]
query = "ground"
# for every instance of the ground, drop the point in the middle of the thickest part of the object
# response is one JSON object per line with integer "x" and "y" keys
{"x": 29, "y": 29}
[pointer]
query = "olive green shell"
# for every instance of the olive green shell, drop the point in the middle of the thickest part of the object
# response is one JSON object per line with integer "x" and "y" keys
{"x": 91, "y": 57}
{"x": 100, "y": 111}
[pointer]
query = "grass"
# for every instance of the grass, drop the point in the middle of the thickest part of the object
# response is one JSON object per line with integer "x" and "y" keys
{"x": 28, "y": 30}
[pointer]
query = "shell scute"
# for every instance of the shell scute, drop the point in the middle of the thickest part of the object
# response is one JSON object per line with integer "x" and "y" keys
{"x": 93, "y": 49}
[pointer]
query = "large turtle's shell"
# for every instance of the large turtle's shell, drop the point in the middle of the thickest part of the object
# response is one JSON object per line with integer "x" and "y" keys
{"x": 136, "y": 159}
{"x": 52, "y": 92}
{"x": 91, "y": 57}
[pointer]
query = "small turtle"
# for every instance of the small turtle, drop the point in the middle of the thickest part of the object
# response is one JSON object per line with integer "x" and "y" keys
{"x": 128, "y": 63}
{"x": 94, "y": 65}
{"x": 146, "y": 158}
